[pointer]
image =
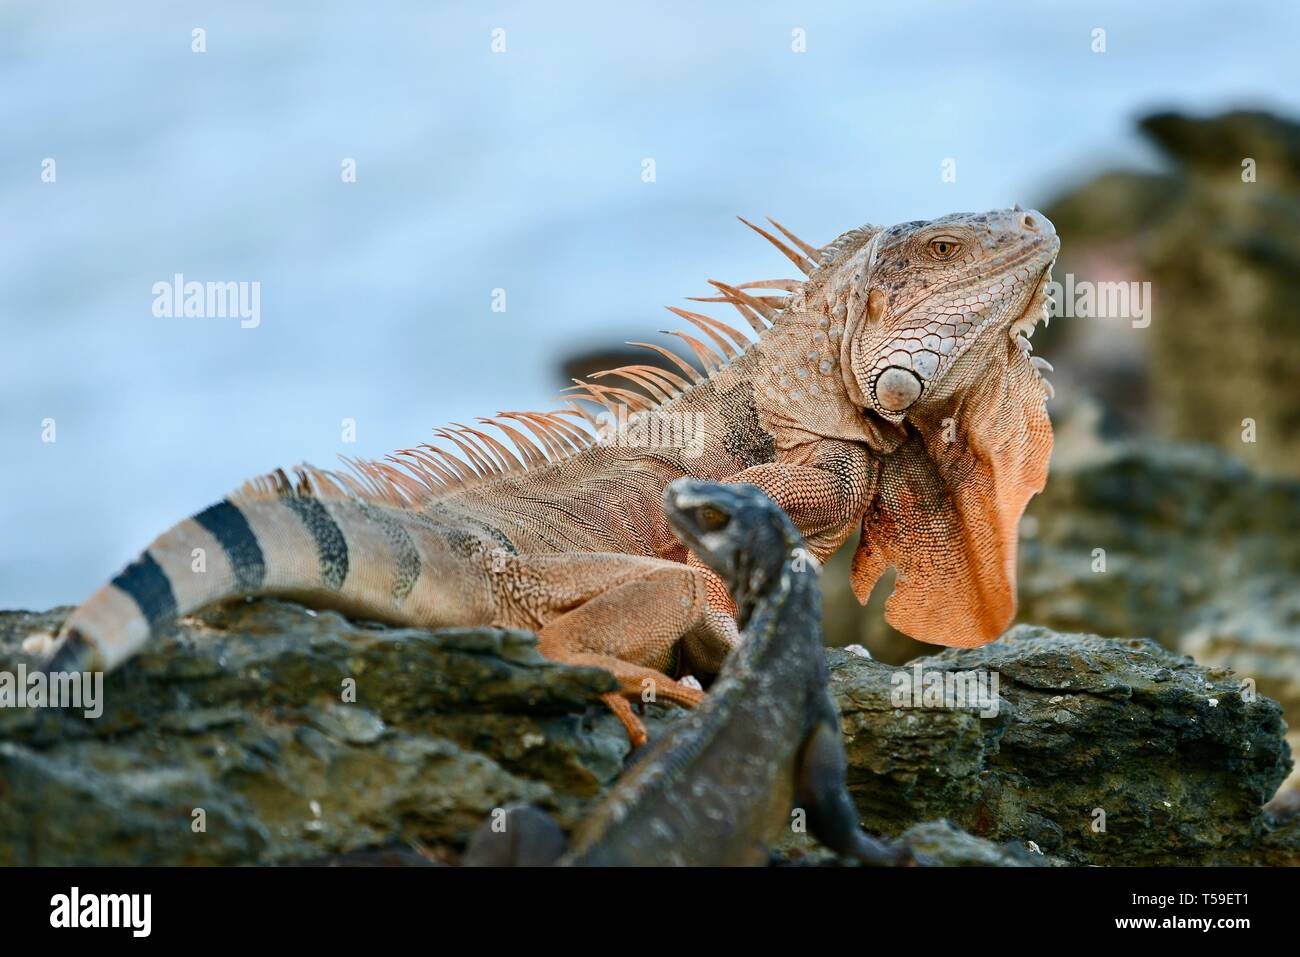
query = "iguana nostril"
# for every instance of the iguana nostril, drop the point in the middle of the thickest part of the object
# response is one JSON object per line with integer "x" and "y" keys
{"x": 897, "y": 388}
{"x": 1032, "y": 221}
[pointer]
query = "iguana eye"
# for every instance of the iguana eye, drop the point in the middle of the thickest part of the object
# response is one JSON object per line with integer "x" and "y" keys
{"x": 711, "y": 519}
{"x": 944, "y": 248}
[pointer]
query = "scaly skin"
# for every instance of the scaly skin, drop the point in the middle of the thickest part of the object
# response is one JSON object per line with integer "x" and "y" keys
{"x": 887, "y": 390}
{"x": 721, "y": 782}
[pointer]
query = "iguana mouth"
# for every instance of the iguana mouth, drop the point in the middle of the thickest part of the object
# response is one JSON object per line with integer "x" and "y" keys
{"x": 1038, "y": 308}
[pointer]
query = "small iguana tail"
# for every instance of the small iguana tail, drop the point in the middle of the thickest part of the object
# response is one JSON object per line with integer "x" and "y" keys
{"x": 371, "y": 559}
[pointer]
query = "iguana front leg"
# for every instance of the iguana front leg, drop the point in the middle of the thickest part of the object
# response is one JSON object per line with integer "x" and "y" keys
{"x": 824, "y": 496}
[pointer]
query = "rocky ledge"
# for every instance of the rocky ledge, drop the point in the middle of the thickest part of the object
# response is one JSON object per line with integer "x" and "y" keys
{"x": 1101, "y": 751}
{"x": 268, "y": 733}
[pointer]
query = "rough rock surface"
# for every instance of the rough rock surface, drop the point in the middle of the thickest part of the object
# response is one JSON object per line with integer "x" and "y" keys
{"x": 1088, "y": 731}
{"x": 937, "y": 843}
{"x": 244, "y": 719}
{"x": 943, "y": 844}
{"x": 1198, "y": 551}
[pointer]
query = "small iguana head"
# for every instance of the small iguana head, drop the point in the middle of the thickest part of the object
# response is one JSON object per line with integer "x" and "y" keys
{"x": 934, "y": 349}
{"x": 736, "y": 530}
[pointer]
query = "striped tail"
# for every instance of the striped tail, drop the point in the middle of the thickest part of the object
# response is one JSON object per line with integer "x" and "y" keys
{"x": 371, "y": 559}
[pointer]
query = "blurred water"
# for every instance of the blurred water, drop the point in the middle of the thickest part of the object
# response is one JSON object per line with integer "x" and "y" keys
{"x": 476, "y": 170}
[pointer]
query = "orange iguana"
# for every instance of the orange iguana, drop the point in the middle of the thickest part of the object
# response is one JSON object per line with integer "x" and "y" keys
{"x": 892, "y": 387}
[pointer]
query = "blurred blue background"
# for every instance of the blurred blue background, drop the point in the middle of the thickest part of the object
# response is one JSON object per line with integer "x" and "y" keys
{"x": 520, "y": 170}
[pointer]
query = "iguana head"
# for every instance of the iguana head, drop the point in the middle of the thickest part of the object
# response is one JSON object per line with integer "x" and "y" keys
{"x": 736, "y": 530}
{"x": 935, "y": 351}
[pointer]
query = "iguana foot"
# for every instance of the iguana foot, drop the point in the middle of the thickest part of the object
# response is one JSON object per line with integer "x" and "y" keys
{"x": 622, "y": 709}
{"x": 637, "y": 682}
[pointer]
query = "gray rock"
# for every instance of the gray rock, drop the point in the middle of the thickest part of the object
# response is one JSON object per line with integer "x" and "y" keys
{"x": 1088, "y": 732}
{"x": 243, "y": 718}
{"x": 1200, "y": 553}
{"x": 942, "y": 844}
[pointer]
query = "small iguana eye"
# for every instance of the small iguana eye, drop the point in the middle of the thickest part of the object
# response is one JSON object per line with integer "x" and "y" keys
{"x": 711, "y": 519}
{"x": 944, "y": 248}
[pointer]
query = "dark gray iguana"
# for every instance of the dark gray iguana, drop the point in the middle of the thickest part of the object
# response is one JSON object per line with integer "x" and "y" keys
{"x": 723, "y": 778}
